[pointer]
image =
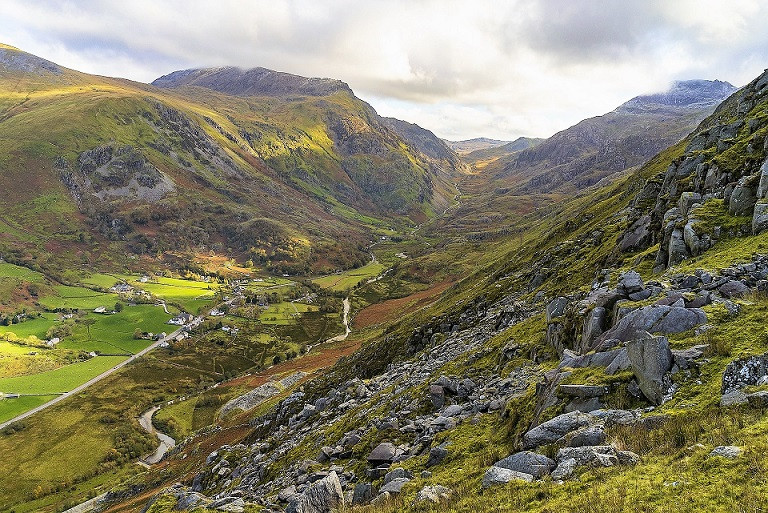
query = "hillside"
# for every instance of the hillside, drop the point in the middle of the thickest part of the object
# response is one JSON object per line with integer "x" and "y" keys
{"x": 595, "y": 148}
{"x": 298, "y": 178}
{"x": 566, "y": 373}
{"x": 601, "y": 349}
{"x": 478, "y": 143}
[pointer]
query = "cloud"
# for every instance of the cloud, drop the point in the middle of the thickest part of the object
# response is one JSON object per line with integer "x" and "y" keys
{"x": 462, "y": 68}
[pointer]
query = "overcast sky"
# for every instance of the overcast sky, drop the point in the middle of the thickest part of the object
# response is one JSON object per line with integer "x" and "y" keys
{"x": 462, "y": 69}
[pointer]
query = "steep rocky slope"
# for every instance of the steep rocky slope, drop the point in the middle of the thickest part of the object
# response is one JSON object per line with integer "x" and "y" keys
{"x": 565, "y": 376}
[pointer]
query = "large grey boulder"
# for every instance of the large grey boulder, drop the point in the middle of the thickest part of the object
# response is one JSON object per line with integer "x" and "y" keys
{"x": 762, "y": 187}
{"x": 383, "y": 453}
{"x": 322, "y": 496}
{"x": 661, "y": 319}
{"x": 630, "y": 282}
{"x": 687, "y": 199}
{"x": 554, "y": 429}
{"x": 613, "y": 361}
{"x": 594, "y": 324}
{"x": 498, "y": 475}
{"x": 678, "y": 249}
{"x": 527, "y": 462}
{"x": 556, "y": 308}
{"x": 651, "y": 360}
{"x": 395, "y": 485}
{"x": 733, "y": 289}
{"x": 743, "y": 198}
{"x": 760, "y": 218}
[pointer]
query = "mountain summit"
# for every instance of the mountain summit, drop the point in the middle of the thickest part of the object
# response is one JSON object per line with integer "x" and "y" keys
{"x": 251, "y": 82}
{"x": 685, "y": 93}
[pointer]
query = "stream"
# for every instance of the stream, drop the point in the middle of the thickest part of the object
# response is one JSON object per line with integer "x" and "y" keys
{"x": 166, "y": 442}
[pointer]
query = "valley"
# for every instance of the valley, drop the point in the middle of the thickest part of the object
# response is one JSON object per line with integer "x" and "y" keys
{"x": 245, "y": 291}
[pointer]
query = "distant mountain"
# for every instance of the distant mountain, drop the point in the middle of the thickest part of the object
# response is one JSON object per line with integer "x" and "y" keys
{"x": 582, "y": 155}
{"x": 478, "y": 143}
{"x": 252, "y": 82}
{"x": 425, "y": 141}
{"x": 495, "y": 152}
{"x": 292, "y": 172}
{"x": 688, "y": 93}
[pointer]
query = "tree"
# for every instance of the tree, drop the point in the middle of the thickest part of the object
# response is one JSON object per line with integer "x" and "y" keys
{"x": 137, "y": 333}
{"x": 88, "y": 323}
{"x": 118, "y": 306}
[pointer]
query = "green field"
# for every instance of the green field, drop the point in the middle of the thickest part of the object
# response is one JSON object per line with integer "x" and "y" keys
{"x": 77, "y": 298}
{"x": 349, "y": 279}
{"x": 284, "y": 313}
{"x": 9, "y": 408}
{"x": 14, "y": 271}
{"x": 59, "y": 380}
{"x": 104, "y": 281}
{"x": 190, "y": 295}
{"x": 36, "y": 326}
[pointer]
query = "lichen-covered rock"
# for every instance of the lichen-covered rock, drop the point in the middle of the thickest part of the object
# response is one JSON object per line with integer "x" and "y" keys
{"x": 322, "y": 496}
{"x": 498, "y": 475}
{"x": 434, "y": 494}
{"x": 743, "y": 372}
{"x": 527, "y": 462}
{"x": 651, "y": 360}
{"x": 556, "y": 428}
{"x": 659, "y": 319}
{"x": 760, "y": 218}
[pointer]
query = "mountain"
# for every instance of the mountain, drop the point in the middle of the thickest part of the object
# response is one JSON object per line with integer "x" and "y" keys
{"x": 252, "y": 82}
{"x": 478, "y": 143}
{"x": 292, "y": 172}
{"x": 495, "y": 152}
{"x": 427, "y": 143}
{"x": 595, "y": 148}
{"x": 558, "y": 374}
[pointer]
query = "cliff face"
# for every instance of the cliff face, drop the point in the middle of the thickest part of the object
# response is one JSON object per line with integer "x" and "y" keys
{"x": 714, "y": 188}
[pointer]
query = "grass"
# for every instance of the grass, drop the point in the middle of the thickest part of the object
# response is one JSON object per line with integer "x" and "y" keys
{"x": 77, "y": 298}
{"x": 10, "y": 408}
{"x": 62, "y": 379}
{"x": 347, "y": 280}
{"x": 189, "y": 295}
{"x": 284, "y": 313}
{"x": 37, "y": 326}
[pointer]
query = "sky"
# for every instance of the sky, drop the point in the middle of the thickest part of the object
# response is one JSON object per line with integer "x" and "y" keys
{"x": 461, "y": 68}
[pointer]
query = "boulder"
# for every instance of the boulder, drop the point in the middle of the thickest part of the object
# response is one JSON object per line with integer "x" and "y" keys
{"x": 398, "y": 473}
{"x": 434, "y": 494}
{"x": 733, "y": 289}
{"x": 554, "y": 429}
{"x": 637, "y": 236}
{"x": 383, "y": 453}
{"x": 363, "y": 494}
{"x": 583, "y": 391}
{"x": 322, "y": 496}
{"x": 395, "y": 485}
{"x": 556, "y": 308}
{"x": 678, "y": 250}
{"x": 743, "y": 198}
{"x": 527, "y": 462}
{"x": 660, "y": 319}
{"x": 564, "y": 469}
{"x": 586, "y": 436}
{"x": 733, "y": 398}
{"x": 613, "y": 360}
{"x": 437, "y": 455}
{"x": 498, "y": 475}
{"x": 630, "y": 282}
{"x": 743, "y": 372}
{"x": 726, "y": 451}
{"x": 594, "y": 324}
{"x": 651, "y": 360}
{"x": 687, "y": 199}
{"x": 758, "y": 399}
{"x": 760, "y": 218}
{"x": 437, "y": 396}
